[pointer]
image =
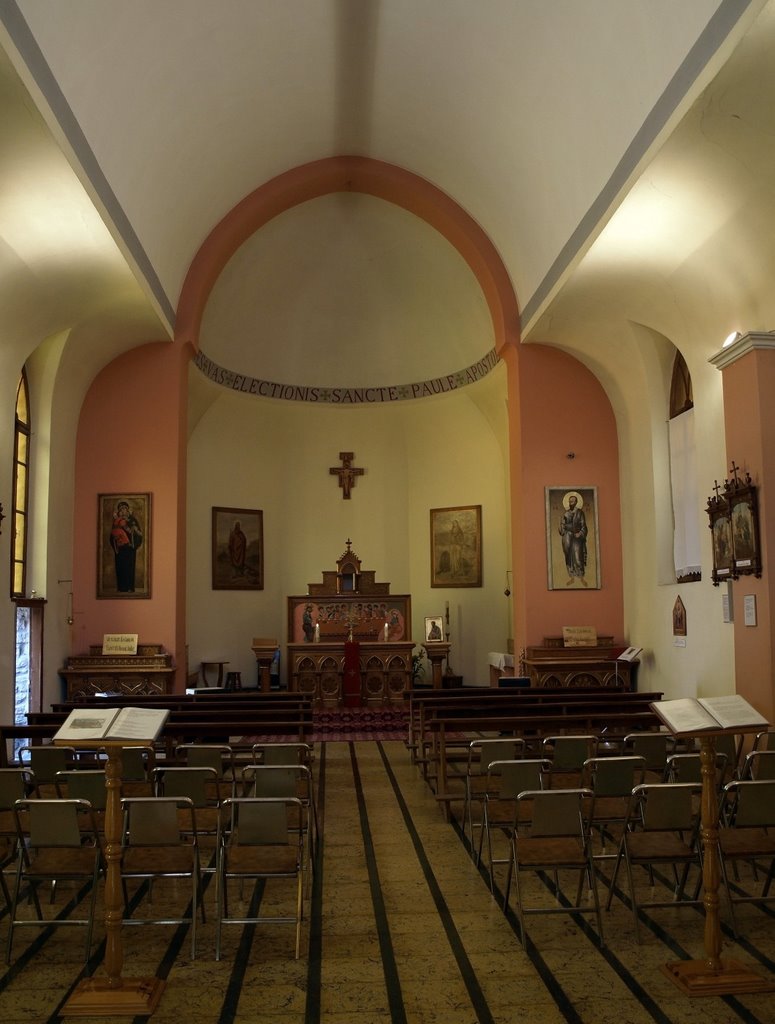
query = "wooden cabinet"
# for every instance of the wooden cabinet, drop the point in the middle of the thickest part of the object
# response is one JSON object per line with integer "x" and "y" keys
{"x": 148, "y": 671}
{"x": 577, "y": 667}
{"x": 318, "y": 669}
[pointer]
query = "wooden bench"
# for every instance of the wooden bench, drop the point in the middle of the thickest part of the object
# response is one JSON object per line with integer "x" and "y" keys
{"x": 206, "y": 698}
{"x": 422, "y": 706}
{"x": 238, "y": 729}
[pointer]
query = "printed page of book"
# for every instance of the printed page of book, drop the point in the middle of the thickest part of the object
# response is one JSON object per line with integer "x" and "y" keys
{"x": 138, "y": 724}
{"x": 685, "y": 715}
{"x": 87, "y": 724}
{"x": 733, "y": 712}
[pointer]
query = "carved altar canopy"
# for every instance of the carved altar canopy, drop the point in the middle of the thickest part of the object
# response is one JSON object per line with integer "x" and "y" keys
{"x": 349, "y": 604}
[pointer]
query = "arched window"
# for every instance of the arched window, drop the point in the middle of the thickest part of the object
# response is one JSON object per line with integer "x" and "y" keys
{"x": 21, "y": 474}
{"x": 683, "y": 473}
{"x": 681, "y": 397}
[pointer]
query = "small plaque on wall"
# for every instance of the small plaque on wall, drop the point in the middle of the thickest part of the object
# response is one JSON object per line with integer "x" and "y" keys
{"x": 579, "y": 636}
{"x": 119, "y": 643}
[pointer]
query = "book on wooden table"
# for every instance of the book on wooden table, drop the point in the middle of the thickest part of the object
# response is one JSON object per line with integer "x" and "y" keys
{"x": 131, "y": 724}
{"x": 709, "y": 714}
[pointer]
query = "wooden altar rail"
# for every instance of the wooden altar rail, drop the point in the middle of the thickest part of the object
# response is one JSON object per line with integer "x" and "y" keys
{"x": 423, "y": 704}
{"x": 185, "y": 727}
{"x": 445, "y": 735}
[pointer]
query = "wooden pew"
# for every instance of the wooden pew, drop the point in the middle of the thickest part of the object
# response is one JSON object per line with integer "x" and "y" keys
{"x": 423, "y": 705}
{"x": 182, "y": 727}
{"x": 206, "y": 698}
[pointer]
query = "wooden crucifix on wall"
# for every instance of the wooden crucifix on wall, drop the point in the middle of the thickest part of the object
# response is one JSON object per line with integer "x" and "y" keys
{"x": 346, "y": 472}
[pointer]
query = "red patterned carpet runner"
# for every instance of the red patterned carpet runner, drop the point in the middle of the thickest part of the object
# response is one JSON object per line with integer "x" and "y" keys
{"x": 360, "y": 723}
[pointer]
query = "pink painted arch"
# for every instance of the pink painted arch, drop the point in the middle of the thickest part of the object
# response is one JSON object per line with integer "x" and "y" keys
{"x": 349, "y": 174}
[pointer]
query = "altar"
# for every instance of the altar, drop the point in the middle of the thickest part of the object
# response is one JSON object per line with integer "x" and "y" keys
{"x": 349, "y": 639}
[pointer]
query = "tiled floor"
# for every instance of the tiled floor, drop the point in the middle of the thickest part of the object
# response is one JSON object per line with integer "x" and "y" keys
{"x": 402, "y": 928}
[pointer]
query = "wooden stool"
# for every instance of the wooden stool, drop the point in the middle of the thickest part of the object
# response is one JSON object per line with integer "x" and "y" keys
{"x": 233, "y": 681}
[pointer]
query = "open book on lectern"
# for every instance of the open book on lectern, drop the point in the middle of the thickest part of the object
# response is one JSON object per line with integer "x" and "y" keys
{"x": 709, "y": 714}
{"x": 630, "y": 654}
{"x": 133, "y": 724}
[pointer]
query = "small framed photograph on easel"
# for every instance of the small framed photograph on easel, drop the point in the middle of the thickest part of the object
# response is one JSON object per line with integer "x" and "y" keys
{"x": 434, "y": 630}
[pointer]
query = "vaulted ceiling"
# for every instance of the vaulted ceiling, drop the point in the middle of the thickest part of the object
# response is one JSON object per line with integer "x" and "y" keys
{"x": 130, "y": 130}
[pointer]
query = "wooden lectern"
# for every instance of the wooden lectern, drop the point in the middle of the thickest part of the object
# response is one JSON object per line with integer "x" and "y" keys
{"x": 113, "y": 995}
{"x": 437, "y": 651}
{"x": 264, "y": 649}
{"x": 703, "y": 719}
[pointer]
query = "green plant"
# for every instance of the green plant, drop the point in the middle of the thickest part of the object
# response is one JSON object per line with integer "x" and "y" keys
{"x": 418, "y": 665}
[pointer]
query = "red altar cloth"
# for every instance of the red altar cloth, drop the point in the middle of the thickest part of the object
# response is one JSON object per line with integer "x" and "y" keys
{"x": 351, "y": 679}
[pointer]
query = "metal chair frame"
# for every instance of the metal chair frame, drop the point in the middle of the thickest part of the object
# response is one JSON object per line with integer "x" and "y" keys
{"x": 260, "y": 844}
{"x": 555, "y": 838}
{"x": 57, "y": 841}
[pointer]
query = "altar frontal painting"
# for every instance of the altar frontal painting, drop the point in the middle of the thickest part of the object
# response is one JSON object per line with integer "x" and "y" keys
{"x": 330, "y": 619}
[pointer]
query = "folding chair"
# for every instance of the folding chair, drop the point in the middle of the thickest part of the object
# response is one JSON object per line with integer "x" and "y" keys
{"x": 261, "y": 843}
{"x": 661, "y": 829}
{"x": 137, "y": 763}
{"x": 611, "y": 780}
{"x": 504, "y": 781}
{"x": 481, "y": 754}
{"x": 764, "y": 740}
{"x": 567, "y": 754}
{"x": 45, "y": 760}
{"x": 203, "y": 787}
{"x": 555, "y": 838}
{"x": 15, "y": 784}
{"x": 759, "y": 764}
{"x": 287, "y": 754}
{"x": 219, "y": 757}
{"x": 160, "y": 841}
{"x": 54, "y": 845}
{"x": 286, "y": 780}
{"x": 688, "y": 768}
{"x": 748, "y": 834}
{"x": 83, "y": 784}
{"x": 654, "y": 748}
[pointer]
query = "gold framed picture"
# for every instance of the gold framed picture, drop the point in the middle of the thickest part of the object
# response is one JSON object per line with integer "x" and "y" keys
{"x": 238, "y": 549}
{"x": 123, "y": 546}
{"x": 572, "y": 538}
{"x": 456, "y": 546}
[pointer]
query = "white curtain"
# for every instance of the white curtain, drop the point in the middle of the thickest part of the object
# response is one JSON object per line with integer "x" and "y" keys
{"x": 687, "y": 508}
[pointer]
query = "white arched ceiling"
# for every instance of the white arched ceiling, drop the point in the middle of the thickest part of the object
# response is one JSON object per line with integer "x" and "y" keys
{"x": 532, "y": 117}
{"x": 346, "y": 290}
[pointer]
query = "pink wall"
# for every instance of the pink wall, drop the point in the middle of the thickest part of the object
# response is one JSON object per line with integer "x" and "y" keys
{"x": 562, "y": 408}
{"x": 132, "y": 438}
{"x": 749, "y": 420}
